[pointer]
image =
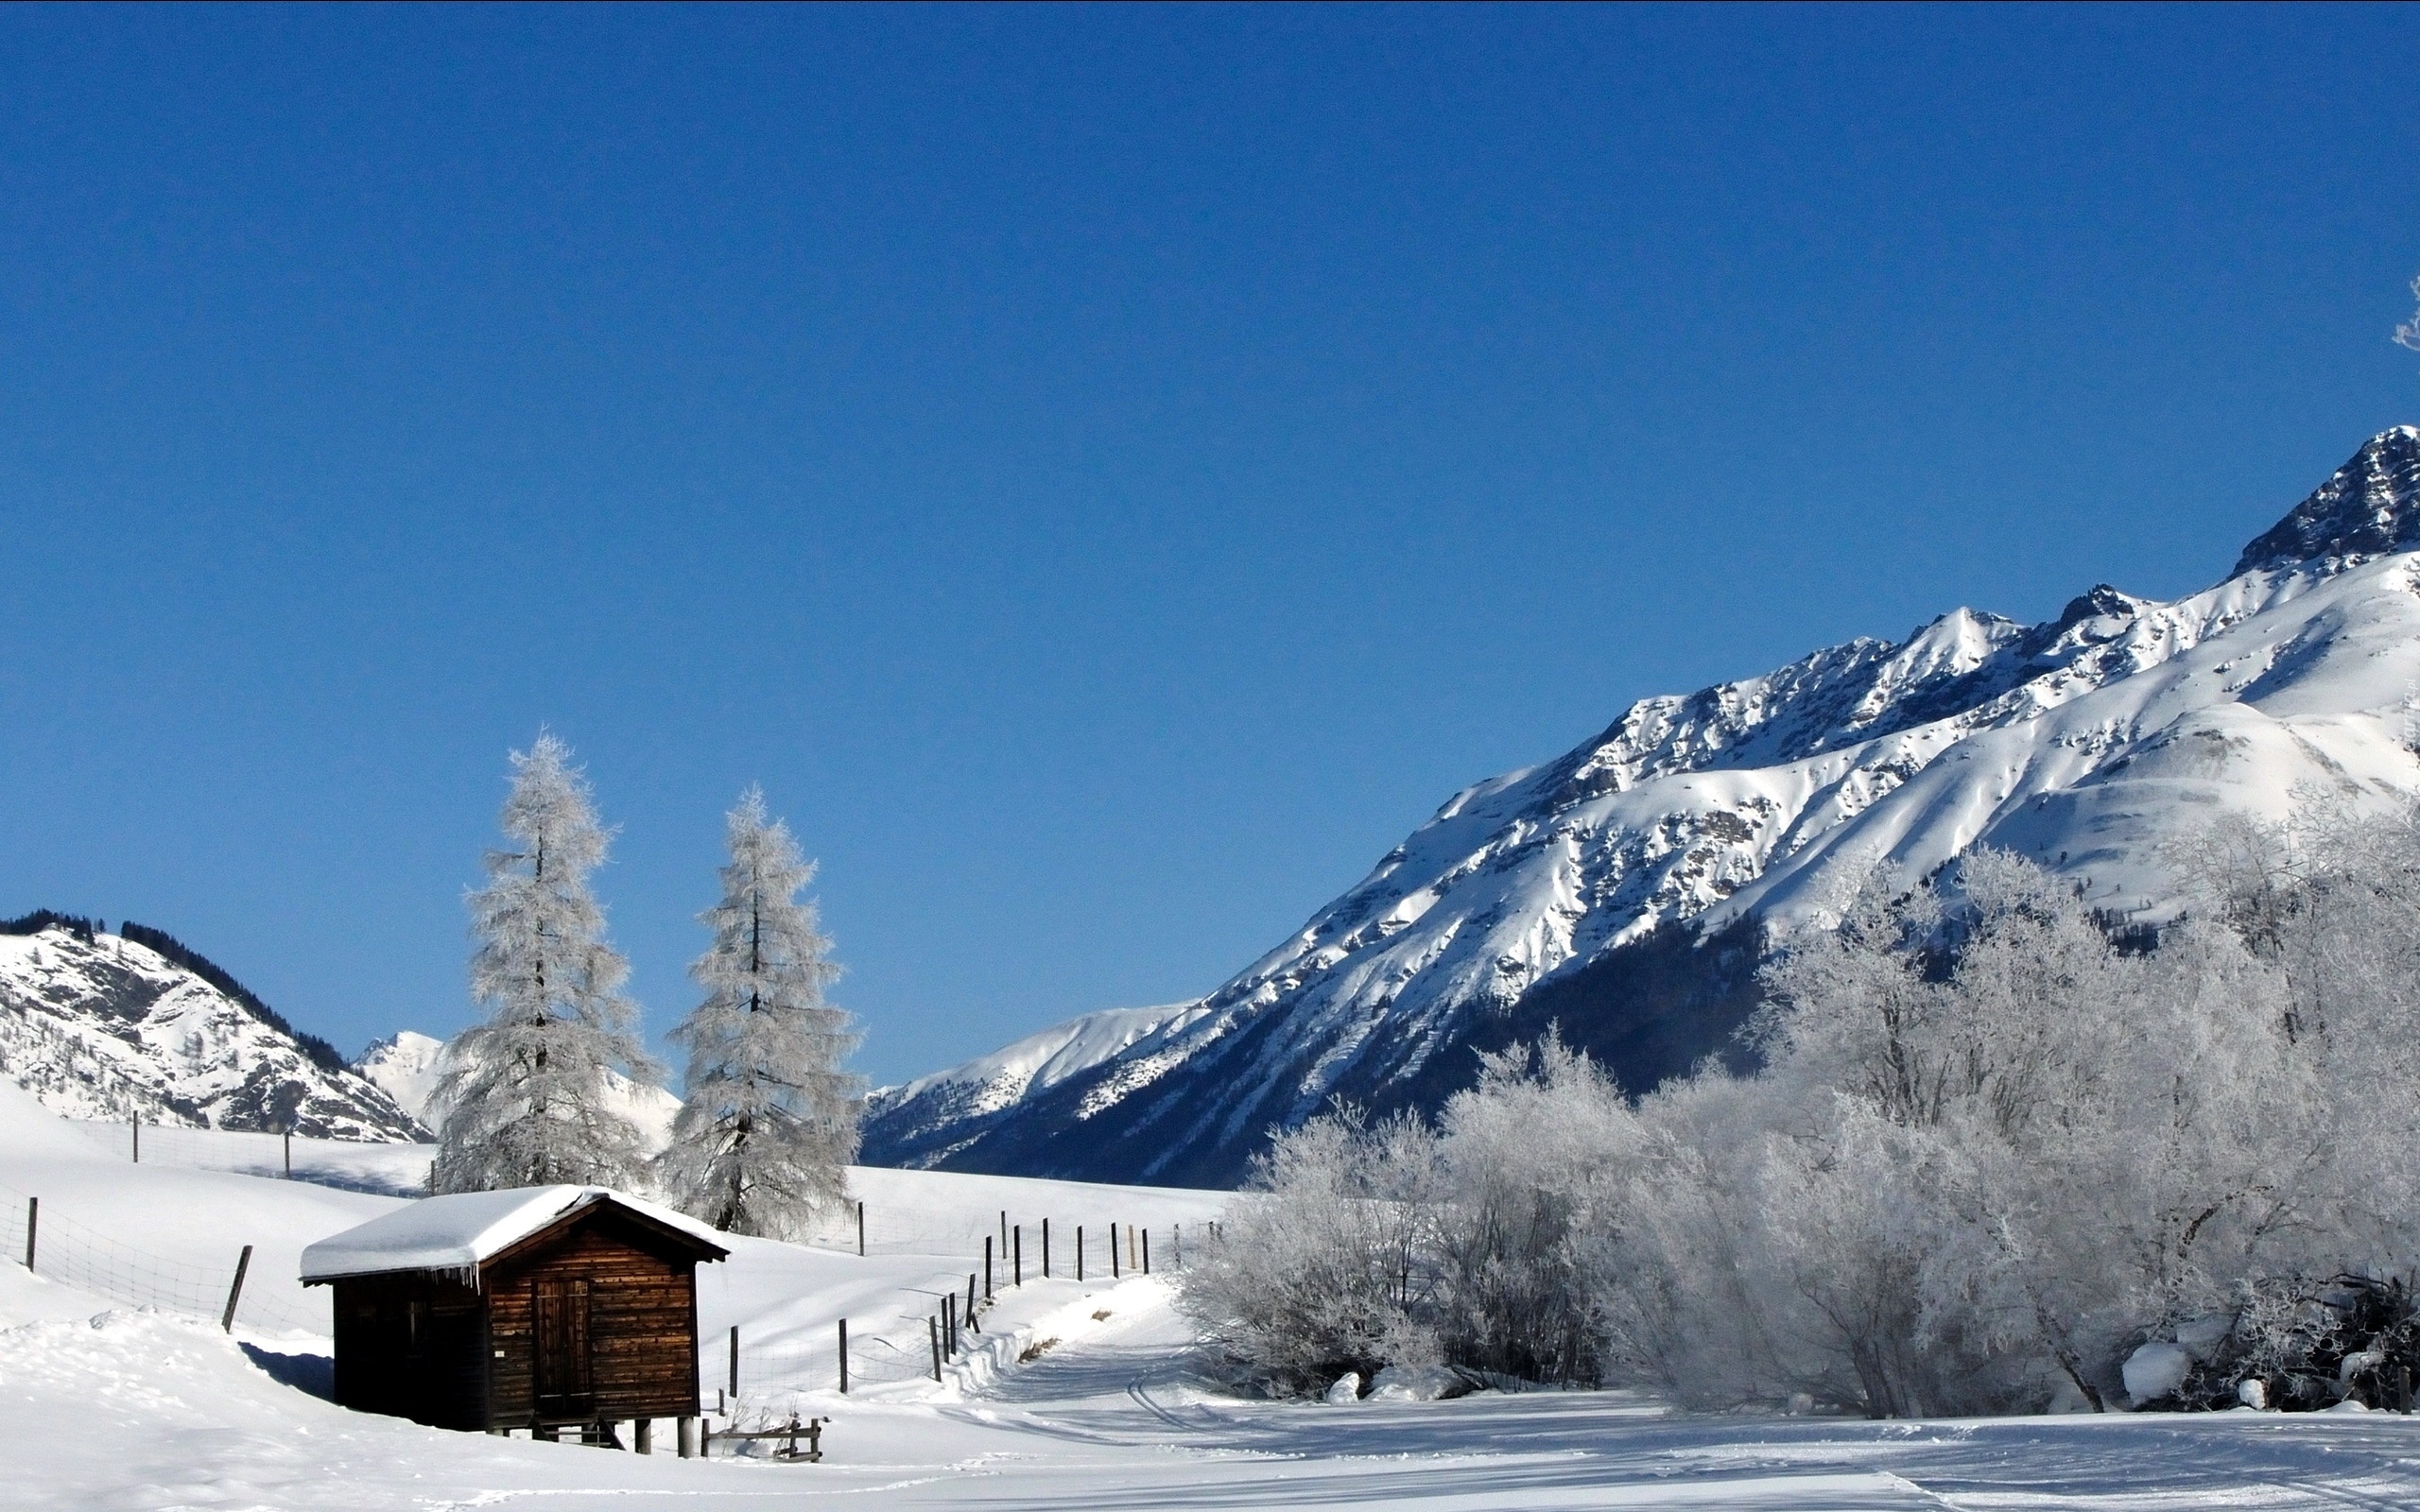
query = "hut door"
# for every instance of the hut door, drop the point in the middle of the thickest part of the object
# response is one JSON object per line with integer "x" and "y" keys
{"x": 565, "y": 1387}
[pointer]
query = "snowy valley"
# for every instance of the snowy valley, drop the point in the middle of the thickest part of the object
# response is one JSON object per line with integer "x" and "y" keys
{"x": 1091, "y": 1393}
{"x": 162, "y": 1351}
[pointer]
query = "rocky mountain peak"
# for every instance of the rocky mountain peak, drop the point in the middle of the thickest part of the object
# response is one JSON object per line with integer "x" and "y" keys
{"x": 2371, "y": 507}
{"x": 2102, "y": 602}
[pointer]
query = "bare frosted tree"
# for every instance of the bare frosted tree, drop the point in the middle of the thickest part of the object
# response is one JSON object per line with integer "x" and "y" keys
{"x": 525, "y": 1103}
{"x": 764, "y": 1139}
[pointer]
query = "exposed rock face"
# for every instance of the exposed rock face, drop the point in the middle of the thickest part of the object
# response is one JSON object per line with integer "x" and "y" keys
{"x": 2367, "y": 509}
{"x": 1619, "y": 891}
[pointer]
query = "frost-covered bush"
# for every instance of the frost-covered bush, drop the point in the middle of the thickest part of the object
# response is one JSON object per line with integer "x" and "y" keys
{"x": 1322, "y": 1267}
{"x": 2298, "y": 1346}
{"x": 1992, "y": 1150}
{"x": 1527, "y": 1163}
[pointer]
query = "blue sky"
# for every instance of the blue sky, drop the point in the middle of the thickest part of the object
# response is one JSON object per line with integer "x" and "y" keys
{"x": 1109, "y": 472}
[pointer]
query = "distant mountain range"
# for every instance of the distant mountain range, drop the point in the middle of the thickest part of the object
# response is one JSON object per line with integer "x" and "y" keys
{"x": 1623, "y": 891}
{"x": 107, "y": 1025}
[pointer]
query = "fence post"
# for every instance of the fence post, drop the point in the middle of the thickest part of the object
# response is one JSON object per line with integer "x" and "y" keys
{"x": 971, "y": 1321}
{"x": 1147, "y": 1251}
{"x": 136, "y": 1123}
{"x": 33, "y": 1220}
{"x": 844, "y": 1357}
{"x": 1046, "y": 1249}
{"x": 1016, "y": 1262}
{"x": 1079, "y": 1252}
{"x": 1114, "y": 1271}
{"x": 987, "y": 1267}
{"x": 1176, "y": 1244}
{"x": 861, "y": 1229}
{"x": 734, "y": 1361}
{"x": 243, "y": 1263}
{"x": 1004, "y": 1231}
{"x": 934, "y": 1326}
{"x": 289, "y": 1152}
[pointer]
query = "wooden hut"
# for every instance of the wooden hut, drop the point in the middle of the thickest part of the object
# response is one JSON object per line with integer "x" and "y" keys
{"x": 537, "y": 1308}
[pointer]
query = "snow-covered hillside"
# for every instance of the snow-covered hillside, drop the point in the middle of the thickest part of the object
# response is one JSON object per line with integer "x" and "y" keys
{"x": 2081, "y": 742}
{"x": 408, "y": 1066}
{"x": 105, "y": 1028}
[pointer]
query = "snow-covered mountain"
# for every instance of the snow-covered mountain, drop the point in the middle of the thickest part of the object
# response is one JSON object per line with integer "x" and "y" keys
{"x": 408, "y": 1067}
{"x": 925, "y": 1121}
{"x": 1622, "y": 890}
{"x": 98, "y": 1025}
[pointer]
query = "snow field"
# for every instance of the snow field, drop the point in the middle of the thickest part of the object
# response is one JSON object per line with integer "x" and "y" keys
{"x": 116, "y": 1410}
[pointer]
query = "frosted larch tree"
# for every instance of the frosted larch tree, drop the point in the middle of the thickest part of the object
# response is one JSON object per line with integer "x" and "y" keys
{"x": 526, "y": 1101}
{"x": 770, "y": 1125}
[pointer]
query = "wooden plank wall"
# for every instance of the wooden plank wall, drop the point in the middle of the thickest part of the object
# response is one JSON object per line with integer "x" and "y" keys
{"x": 641, "y": 1327}
{"x": 412, "y": 1346}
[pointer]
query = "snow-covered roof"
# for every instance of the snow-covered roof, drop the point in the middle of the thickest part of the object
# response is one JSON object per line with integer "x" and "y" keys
{"x": 459, "y": 1230}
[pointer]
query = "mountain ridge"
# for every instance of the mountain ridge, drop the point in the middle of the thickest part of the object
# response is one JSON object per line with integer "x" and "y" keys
{"x": 2079, "y": 741}
{"x": 111, "y": 1026}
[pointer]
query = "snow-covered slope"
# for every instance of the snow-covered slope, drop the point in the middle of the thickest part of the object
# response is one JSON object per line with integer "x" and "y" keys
{"x": 105, "y": 1028}
{"x": 930, "y": 1119}
{"x": 2081, "y": 742}
{"x": 408, "y": 1067}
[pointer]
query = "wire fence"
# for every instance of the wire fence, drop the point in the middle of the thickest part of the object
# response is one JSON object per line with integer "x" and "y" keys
{"x": 882, "y": 1351}
{"x": 386, "y": 1170}
{"x": 1063, "y": 1244}
{"x": 756, "y": 1377}
{"x": 55, "y": 1246}
{"x": 1001, "y": 1250}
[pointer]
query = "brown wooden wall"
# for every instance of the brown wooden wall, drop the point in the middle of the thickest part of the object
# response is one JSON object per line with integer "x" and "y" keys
{"x": 413, "y": 1345}
{"x": 640, "y": 1329}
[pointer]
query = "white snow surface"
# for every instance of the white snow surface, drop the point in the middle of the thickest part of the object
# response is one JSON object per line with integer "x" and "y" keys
{"x": 1088, "y": 1396}
{"x": 458, "y": 1230}
{"x": 2156, "y": 1369}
